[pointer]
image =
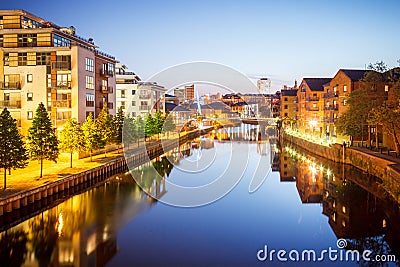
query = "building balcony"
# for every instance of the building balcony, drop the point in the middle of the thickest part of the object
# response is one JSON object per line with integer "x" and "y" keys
{"x": 61, "y": 85}
{"x": 144, "y": 96}
{"x": 144, "y": 107}
{"x": 10, "y": 85}
{"x": 10, "y": 104}
{"x": 106, "y": 89}
{"x": 61, "y": 65}
{"x": 334, "y": 107}
{"x": 107, "y": 73}
{"x": 330, "y": 120}
{"x": 312, "y": 108}
{"x": 109, "y": 105}
{"x": 312, "y": 99}
{"x": 61, "y": 104}
{"x": 330, "y": 95}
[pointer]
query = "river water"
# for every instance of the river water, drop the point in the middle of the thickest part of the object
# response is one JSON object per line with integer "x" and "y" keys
{"x": 304, "y": 203}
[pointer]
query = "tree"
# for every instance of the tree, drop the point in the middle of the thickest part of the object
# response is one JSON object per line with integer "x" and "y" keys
{"x": 42, "y": 139}
{"x": 104, "y": 125}
{"x": 388, "y": 113}
{"x": 149, "y": 129}
{"x": 71, "y": 138}
{"x": 118, "y": 123}
{"x": 12, "y": 149}
{"x": 169, "y": 124}
{"x": 158, "y": 122}
{"x": 129, "y": 131}
{"x": 140, "y": 126}
{"x": 92, "y": 139}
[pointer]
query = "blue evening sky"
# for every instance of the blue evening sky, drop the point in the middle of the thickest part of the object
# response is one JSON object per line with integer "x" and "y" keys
{"x": 283, "y": 40}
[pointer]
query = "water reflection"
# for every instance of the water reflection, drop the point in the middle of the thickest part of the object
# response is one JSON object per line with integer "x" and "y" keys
{"x": 356, "y": 205}
{"x": 118, "y": 221}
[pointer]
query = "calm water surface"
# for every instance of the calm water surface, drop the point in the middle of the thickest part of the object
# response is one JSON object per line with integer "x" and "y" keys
{"x": 304, "y": 203}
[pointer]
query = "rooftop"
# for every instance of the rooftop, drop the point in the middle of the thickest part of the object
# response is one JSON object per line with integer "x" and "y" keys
{"x": 316, "y": 84}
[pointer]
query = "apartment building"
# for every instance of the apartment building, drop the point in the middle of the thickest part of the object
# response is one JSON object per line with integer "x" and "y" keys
{"x": 43, "y": 62}
{"x": 185, "y": 94}
{"x": 126, "y": 87}
{"x": 310, "y": 98}
{"x": 137, "y": 98}
{"x": 289, "y": 106}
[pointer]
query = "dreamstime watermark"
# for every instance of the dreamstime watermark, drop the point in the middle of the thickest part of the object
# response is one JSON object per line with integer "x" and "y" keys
{"x": 330, "y": 254}
{"x": 235, "y": 163}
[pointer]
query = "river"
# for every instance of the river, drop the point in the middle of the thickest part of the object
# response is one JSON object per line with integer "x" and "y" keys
{"x": 304, "y": 203}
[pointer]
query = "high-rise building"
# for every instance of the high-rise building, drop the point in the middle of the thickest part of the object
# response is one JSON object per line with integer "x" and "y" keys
{"x": 43, "y": 62}
{"x": 185, "y": 94}
{"x": 264, "y": 85}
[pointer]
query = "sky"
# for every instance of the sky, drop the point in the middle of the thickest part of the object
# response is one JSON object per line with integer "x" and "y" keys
{"x": 281, "y": 40}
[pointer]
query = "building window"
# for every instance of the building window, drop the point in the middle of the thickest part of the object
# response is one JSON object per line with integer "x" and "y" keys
{"x": 123, "y": 104}
{"x": 123, "y": 93}
{"x": 1, "y": 40}
{"x": 286, "y": 115}
{"x": 30, "y": 115}
{"x": 133, "y": 92}
{"x": 29, "y": 78}
{"x": 111, "y": 69}
{"x": 22, "y": 59}
{"x": 89, "y": 63}
{"x": 285, "y": 107}
{"x": 43, "y": 59}
{"x": 27, "y": 40}
{"x": 89, "y": 82}
{"x": 60, "y": 41}
{"x": 386, "y": 88}
{"x": 314, "y": 105}
{"x": 133, "y": 103}
{"x": 64, "y": 80}
{"x": 133, "y": 114}
{"x": 285, "y": 99}
{"x": 345, "y": 88}
{"x": 63, "y": 115}
{"x": 90, "y": 100}
{"x": 344, "y": 102}
{"x": 29, "y": 97}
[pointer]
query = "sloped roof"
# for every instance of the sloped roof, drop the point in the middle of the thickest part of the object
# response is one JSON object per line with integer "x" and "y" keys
{"x": 219, "y": 105}
{"x": 175, "y": 108}
{"x": 316, "y": 84}
{"x": 354, "y": 75}
{"x": 289, "y": 92}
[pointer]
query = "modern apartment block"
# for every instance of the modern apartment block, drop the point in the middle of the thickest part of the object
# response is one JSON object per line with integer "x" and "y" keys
{"x": 43, "y": 62}
{"x": 137, "y": 98}
{"x": 126, "y": 87}
{"x": 289, "y": 106}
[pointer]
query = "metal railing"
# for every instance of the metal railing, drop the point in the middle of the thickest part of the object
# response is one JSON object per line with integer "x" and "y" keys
{"x": 61, "y": 85}
{"x": 312, "y": 108}
{"x": 106, "y": 89}
{"x": 107, "y": 73}
{"x": 312, "y": 98}
{"x": 144, "y": 96}
{"x": 334, "y": 107}
{"x": 61, "y": 65}
{"x": 62, "y": 104}
{"x": 10, "y": 85}
{"x": 330, "y": 95}
{"x": 10, "y": 104}
{"x": 330, "y": 120}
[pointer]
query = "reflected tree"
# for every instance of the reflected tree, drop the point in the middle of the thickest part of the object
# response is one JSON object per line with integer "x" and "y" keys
{"x": 13, "y": 248}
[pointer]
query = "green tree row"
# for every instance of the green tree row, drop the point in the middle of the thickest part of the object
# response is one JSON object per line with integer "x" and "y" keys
{"x": 42, "y": 142}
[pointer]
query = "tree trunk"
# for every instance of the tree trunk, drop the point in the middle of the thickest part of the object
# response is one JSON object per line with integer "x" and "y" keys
{"x": 376, "y": 137}
{"x": 41, "y": 167}
{"x": 5, "y": 178}
{"x": 91, "y": 160}
{"x": 70, "y": 161}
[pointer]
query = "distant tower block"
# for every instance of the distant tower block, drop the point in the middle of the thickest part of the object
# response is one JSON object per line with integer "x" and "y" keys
{"x": 264, "y": 85}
